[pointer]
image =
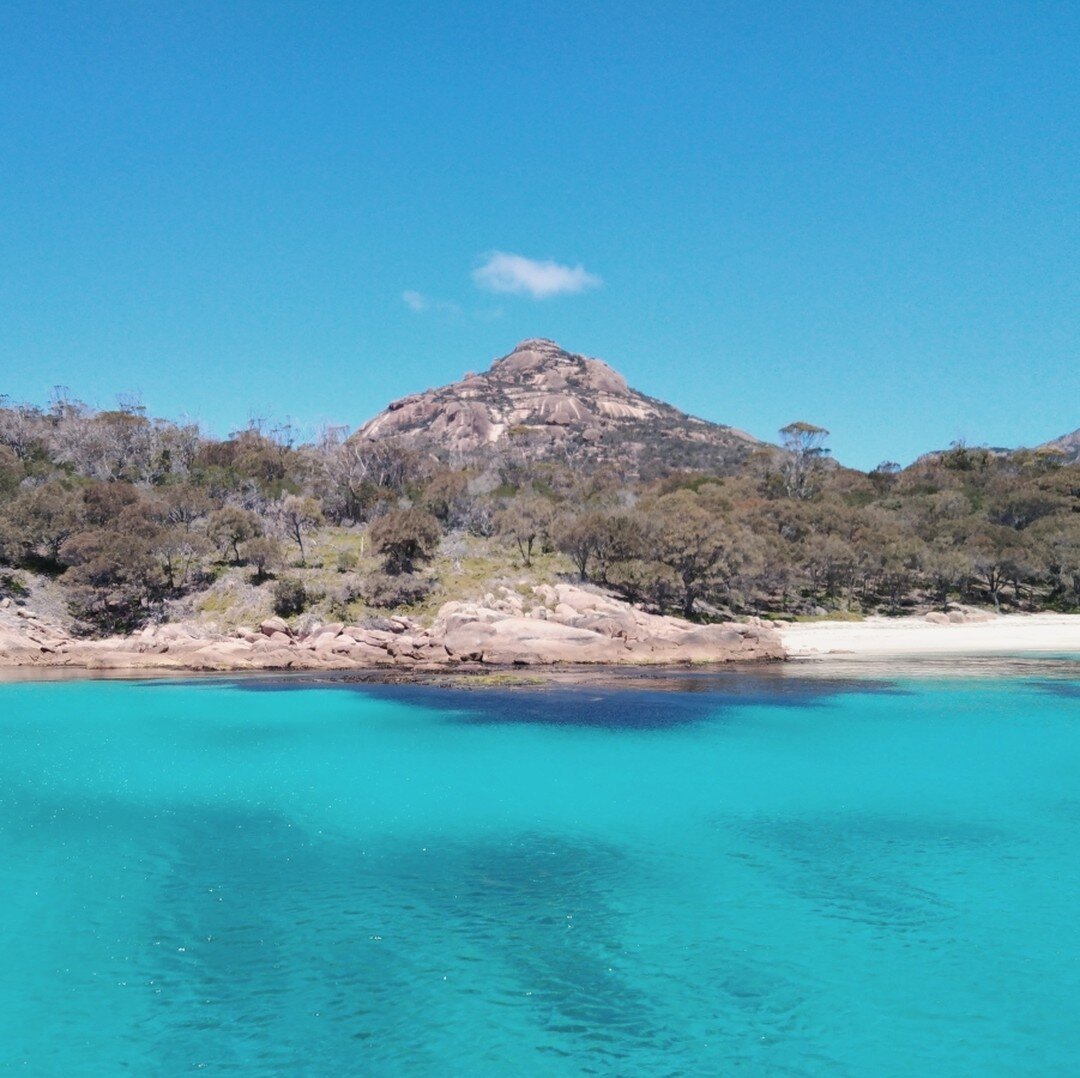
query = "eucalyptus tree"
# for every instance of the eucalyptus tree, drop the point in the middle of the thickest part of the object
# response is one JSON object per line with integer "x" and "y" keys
{"x": 804, "y": 444}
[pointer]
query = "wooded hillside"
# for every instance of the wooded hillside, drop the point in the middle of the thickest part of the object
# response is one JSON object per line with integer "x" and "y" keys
{"x": 131, "y": 515}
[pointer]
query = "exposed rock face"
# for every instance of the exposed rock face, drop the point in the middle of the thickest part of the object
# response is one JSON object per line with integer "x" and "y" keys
{"x": 546, "y": 401}
{"x": 561, "y": 624}
{"x": 1068, "y": 444}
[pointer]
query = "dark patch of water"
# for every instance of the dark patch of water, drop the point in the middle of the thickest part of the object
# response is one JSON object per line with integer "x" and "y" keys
{"x": 862, "y": 869}
{"x": 1065, "y": 689}
{"x": 269, "y": 946}
{"x": 658, "y": 702}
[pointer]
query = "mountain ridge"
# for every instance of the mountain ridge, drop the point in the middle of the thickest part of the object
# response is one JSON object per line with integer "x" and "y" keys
{"x": 1068, "y": 444}
{"x": 557, "y": 403}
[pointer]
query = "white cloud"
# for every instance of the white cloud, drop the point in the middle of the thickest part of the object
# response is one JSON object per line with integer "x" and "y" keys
{"x": 423, "y": 303}
{"x": 519, "y": 275}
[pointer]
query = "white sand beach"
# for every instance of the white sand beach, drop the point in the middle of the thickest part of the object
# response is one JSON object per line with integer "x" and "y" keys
{"x": 1007, "y": 634}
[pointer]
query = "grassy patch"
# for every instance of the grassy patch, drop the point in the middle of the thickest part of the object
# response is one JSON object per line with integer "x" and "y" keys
{"x": 217, "y": 602}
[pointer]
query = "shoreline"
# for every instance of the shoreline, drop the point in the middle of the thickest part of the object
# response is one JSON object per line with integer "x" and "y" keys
{"x": 1009, "y": 644}
{"x": 656, "y": 676}
{"x": 561, "y": 625}
{"x": 1000, "y": 635}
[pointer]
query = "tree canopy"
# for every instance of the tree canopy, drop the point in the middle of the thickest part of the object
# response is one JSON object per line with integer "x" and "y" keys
{"x": 129, "y": 512}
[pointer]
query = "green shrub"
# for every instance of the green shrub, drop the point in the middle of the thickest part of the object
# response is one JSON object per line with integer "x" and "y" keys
{"x": 406, "y": 538}
{"x": 390, "y": 589}
{"x": 290, "y": 596}
{"x": 347, "y": 560}
{"x": 12, "y": 586}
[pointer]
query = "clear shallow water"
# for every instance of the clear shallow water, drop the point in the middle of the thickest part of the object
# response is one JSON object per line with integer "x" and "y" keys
{"x": 777, "y": 875}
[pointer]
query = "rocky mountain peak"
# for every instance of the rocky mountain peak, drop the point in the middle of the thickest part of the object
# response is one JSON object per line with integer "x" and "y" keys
{"x": 545, "y": 364}
{"x": 534, "y": 352}
{"x": 550, "y": 401}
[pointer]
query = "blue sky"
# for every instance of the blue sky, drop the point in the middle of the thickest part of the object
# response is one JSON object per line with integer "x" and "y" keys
{"x": 866, "y": 216}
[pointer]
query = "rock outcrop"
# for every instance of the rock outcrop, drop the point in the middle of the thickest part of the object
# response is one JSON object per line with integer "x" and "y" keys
{"x": 542, "y": 400}
{"x": 549, "y": 625}
{"x": 1068, "y": 445}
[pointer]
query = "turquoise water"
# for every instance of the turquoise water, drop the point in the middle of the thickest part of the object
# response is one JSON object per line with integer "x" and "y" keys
{"x": 760, "y": 875}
